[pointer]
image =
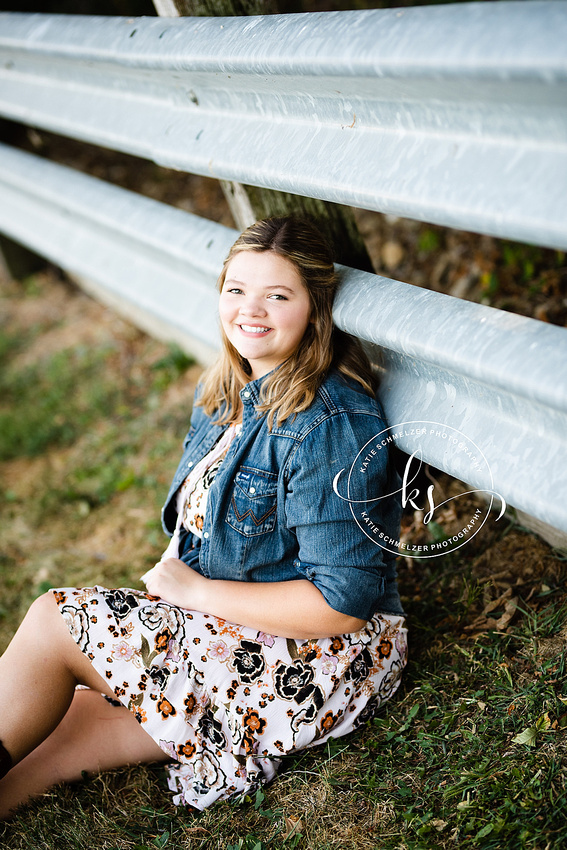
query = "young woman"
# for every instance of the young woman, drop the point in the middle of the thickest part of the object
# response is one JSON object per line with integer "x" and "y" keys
{"x": 272, "y": 621}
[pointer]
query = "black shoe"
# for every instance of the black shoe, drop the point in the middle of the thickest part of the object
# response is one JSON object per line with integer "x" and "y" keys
{"x": 5, "y": 760}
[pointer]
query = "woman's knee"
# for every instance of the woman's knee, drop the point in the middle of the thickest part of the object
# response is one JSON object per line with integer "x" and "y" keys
{"x": 47, "y": 631}
{"x": 43, "y": 614}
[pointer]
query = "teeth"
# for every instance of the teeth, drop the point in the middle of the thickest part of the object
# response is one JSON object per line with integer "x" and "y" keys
{"x": 250, "y": 329}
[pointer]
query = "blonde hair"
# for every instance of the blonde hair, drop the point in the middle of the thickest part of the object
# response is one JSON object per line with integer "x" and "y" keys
{"x": 290, "y": 388}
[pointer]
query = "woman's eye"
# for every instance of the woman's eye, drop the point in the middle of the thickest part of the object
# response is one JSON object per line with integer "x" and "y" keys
{"x": 234, "y": 290}
{"x": 278, "y": 297}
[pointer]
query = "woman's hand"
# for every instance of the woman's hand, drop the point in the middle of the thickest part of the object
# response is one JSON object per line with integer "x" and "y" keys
{"x": 176, "y": 583}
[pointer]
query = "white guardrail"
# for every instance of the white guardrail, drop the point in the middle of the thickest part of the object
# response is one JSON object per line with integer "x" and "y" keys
{"x": 452, "y": 114}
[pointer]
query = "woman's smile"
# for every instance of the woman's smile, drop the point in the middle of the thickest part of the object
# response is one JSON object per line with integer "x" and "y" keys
{"x": 254, "y": 329}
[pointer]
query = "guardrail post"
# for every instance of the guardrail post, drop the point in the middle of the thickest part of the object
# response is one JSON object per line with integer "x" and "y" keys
{"x": 250, "y": 203}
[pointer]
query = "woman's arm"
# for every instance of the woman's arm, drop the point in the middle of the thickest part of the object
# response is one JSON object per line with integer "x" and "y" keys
{"x": 294, "y": 609}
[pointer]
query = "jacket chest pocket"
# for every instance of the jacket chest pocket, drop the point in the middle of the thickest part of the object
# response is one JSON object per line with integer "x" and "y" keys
{"x": 252, "y": 509}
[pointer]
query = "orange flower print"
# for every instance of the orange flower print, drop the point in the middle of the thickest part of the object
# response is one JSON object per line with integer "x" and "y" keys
{"x": 60, "y": 597}
{"x": 253, "y": 722}
{"x": 187, "y": 749}
{"x": 162, "y": 639}
{"x": 385, "y": 649}
{"x": 198, "y": 522}
{"x": 337, "y": 644}
{"x": 328, "y": 722}
{"x": 190, "y": 704}
{"x": 165, "y": 708}
{"x": 140, "y": 715}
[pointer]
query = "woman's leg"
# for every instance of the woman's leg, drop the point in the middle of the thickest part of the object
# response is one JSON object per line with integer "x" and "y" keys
{"x": 93, "y": 736}
{"x": 38, "y": 675}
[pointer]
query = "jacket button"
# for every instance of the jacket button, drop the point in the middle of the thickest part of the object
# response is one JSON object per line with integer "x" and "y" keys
{"x": 206, "y": 535}
{"x": 246, "y": 393}
{"x": 252, "y": 489}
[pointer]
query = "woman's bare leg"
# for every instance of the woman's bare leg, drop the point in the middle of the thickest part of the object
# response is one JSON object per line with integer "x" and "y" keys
{"x": 38, "y": 675}
{"x": 93, "y": 736}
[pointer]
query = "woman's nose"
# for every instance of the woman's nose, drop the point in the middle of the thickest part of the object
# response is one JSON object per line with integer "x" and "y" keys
{"x": 253, "y": 307}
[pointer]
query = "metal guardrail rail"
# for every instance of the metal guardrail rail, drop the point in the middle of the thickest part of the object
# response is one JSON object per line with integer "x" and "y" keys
{"x": 451, "y": 114}
{"x": 499, "y": 378}
{"x": 160, "y": 261}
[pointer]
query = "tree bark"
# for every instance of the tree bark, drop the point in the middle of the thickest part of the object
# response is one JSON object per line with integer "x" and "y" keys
{"x": 250, "y": 203}
{"x": 225, "y": 8}
{"x": 17, "y": 261}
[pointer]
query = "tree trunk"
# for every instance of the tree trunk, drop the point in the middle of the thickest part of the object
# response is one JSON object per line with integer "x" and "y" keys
{"x": 250, "y": 203}
{"x": 17, "y": 261}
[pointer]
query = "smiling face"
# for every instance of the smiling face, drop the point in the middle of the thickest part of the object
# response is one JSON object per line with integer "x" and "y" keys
{"x": 264, "y": 308}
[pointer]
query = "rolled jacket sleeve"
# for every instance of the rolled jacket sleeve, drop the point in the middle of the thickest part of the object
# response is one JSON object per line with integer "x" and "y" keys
{"x": 337, "y": 552}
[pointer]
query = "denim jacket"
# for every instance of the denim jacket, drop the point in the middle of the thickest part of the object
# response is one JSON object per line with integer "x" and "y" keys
{"x": 272, "y": 514}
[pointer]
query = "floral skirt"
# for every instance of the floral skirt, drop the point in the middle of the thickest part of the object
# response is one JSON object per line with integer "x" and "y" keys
{"x": 224, "y": 701}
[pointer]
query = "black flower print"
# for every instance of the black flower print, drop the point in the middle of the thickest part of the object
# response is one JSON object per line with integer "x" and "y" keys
{"x": 368, "y": 712}
{"x": 164, "y": 618}
{"x": 211, "y": 730}
{"x": 159, "y": 676}
{"x": 120, "y": 603}
{"x": 360, "y": 667}
{"x": 310, "y": 711}
{"x": 373, "y": 628}
{"x": 294, "y": 681}
{"x": 390, "y": 680}
{"x": 247, "y": 660}
{"x": 210, "y": 473}
{"x": 207, "y": 774}
{"x": 78, "y": 624}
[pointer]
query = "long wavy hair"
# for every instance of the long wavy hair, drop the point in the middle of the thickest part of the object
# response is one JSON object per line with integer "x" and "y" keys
{"x": 291, "y": 387}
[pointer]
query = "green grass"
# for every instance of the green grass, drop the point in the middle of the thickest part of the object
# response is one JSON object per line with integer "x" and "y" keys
{"x": 55, "y": 400}
{"x": 469, "y": 754}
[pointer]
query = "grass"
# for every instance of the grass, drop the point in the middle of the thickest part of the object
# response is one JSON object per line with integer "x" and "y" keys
{"x": 469, "y": 754}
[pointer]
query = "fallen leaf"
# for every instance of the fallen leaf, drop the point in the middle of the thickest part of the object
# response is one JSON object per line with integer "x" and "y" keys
{"x": 293, "y": 826}
{"x": 528, "y": 737}
{"x": 509, "y": 612}
{"x": 496, "y": 603}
